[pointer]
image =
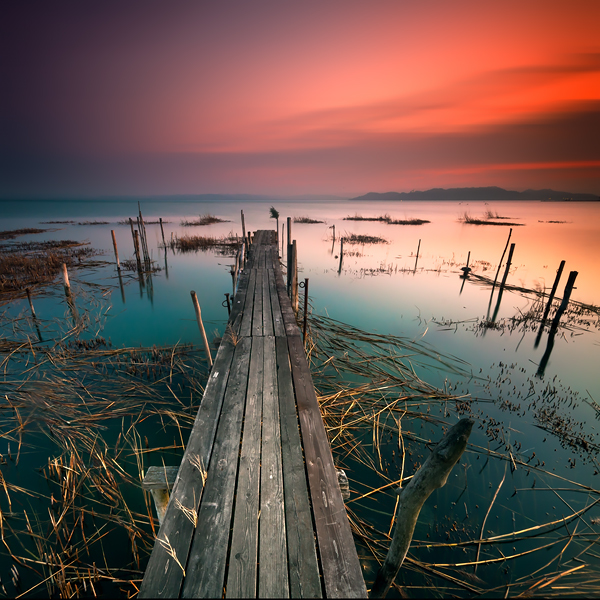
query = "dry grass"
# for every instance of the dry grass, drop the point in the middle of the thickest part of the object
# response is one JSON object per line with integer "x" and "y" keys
{"x": 306, "y": 220}
{"x": 206, "y": 219}
{"x": 354, "y": 238}
{"x": 13, "y": 233}
{"x": 469, "y": 220}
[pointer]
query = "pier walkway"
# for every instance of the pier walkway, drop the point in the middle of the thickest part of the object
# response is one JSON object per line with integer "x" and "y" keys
{"x": 256, "y": 509}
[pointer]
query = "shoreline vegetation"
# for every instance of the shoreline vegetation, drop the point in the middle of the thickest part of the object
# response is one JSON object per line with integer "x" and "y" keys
{"x": 489, "y": 218}
{"x": 387, "y": 219}
{"x": 306, "y": 220}
{"x": 206, "y": 219}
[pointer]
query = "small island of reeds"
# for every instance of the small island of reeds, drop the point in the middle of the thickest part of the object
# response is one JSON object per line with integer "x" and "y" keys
{"x": 387, "y": 219}
{"x": 488, "y": 219}
{"x": 306, "y": 220}
{"x": 206, "y": 219}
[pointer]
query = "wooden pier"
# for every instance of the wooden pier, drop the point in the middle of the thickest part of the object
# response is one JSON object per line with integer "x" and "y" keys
{"x": 256, "y": 509}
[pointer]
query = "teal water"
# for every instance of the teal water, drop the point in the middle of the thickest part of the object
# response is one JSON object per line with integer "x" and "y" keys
{"x": 385, "y": 288}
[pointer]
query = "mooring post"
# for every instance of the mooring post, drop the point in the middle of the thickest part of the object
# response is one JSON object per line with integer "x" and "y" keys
{"x": 136, "y": 240}
{"x": 159, "y": 481}
{"x": 295, "y": 276}
{"x": 114, "y": 239}
{"x": 243, "y": 226}
{"x": 162, "y": 231}
{"x": 549, "y": 305}
{"x": 431, "y": 476}
{"x": 305, "y": 307}
{"x": 341, "y": 254}
{"x": 201, "y": 327}
{"x": 228, "y": 303}
{"x": 288, "y": 256}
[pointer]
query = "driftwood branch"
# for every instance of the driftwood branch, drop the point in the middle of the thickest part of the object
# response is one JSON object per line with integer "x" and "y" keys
{"x": 432, "y": 475}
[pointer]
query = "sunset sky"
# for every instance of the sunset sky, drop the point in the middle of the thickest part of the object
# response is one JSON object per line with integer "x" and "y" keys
{"x": 286, "y": 98}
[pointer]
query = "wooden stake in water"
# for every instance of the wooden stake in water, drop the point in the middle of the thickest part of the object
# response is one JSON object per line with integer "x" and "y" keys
{"x": 201, "y": 327}
{"x": 549, "y": 305}
{"x": 243, "y": 226}
{"x": 341, "y": 254}
{"x": 162, "y": 231}
{"x": 501, "y": 289}
{"x": 431, "y": 476}
{"x": 66, "y": 279}
{"x": 305, "y": 308}
{"x": 288, "y": 257}
{"x": 295, "y": 277}
{"x": 114, "y": 239}
{"x": 30, "y": 303}
{"x": 417, "y": 259}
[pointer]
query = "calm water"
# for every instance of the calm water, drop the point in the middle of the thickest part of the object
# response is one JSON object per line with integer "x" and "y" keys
{"x": 386, "y": 288}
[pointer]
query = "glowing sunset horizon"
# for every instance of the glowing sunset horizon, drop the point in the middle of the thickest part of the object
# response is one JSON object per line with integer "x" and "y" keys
{"x": 269, "y": 98}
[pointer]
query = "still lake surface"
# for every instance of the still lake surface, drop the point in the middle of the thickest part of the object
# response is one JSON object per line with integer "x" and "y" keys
{"x": 388, "y": 289}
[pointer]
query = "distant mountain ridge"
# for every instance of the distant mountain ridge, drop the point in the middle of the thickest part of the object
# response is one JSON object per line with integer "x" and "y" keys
{"x": 480, "y": 193}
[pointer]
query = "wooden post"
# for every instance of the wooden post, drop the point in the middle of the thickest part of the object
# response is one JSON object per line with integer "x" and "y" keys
{"x": 417, "y": 259}
{"x": 341, "y": 254}
{"x": 30, "y": 303}
{"x": 432, "y": 475}
{"x": 295, "y": 277}
{"x": 288, "y": 256}
{"x": 162, "y": 231}
{"x": 201, "y": 327}
{"x": 136, "y": 240}
{"x": 549, "y": 305}
{"x": 501, "y": 289}
{"x": 66, "y": 279}
{"x": 305, "y": 307}
{"x": 501, "y": 259}
{"x": 159, "y": 481}
{"x": 554, "y": 327}
{"x": 243, "y": 226}
{"x": 228, "y": 303}
{"x": 114, "y": 239}
{"x": 333, "y": 227}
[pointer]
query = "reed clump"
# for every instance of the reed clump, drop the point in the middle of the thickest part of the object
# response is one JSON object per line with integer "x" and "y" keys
{"x": 307, "y": 220}
{"x": 227, "y": 245}
{"x": 487, "y": 220}
{"x": 13, "y": 233}
{"x": 354, "y": 238}
{"x": 206, "y": 219}
{"x": 387, "y": 219}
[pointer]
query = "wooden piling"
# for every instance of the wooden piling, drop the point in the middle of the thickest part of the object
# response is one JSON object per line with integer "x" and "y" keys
{"x": 114, "y": 239}
{"x": 162, "y": 231}
{"x": 341, "y": 254}
{"x": 228, "y": 303}
{"x": 501, "y": 289}
{"x": 305, "y": 308}
{"x": 136, "y": 241}
{"x": 501, "y": 259}
{"x": 431, "y": 476}
{"x": 66, "y": 279}
{"x": 201, "y": 327}
{"x": 294, "y": 280}
{"x": 549, "y": 305}
{"x": 288, "y": 256}
{"x": 30, "y": 303}
{"x": 417, "y": 259}
{"x": 243, "y": 226}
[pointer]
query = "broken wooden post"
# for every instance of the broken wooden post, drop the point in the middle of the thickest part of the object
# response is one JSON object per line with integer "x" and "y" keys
{"x": 114, "y": 239}
{"x": 501, "y": 289}
{"x": 159, "y": 482}
{"x": 201, "y": 327}
{"x": 432, "y": 475}
{"x": 549, "y": 305}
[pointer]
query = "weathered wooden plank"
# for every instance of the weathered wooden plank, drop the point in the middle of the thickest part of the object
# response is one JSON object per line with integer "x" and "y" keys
{"x": 278, "y": 326}
{"x": 163, "y": 576}
{"x": 160, "y": 478}
{"x": 257, "y": 314}
{"x": 267, "y": 309}
{"x": 273, "y": 570}
{"x": 205, "y": 576}
{"x": 242, "y": 574}
{"x": 342, "y": 573}
{"x": 289, "y": 319}
{"x": 305, "y": 580}
{"x": 238, "y": 302}
{"x": 246, "y": 324}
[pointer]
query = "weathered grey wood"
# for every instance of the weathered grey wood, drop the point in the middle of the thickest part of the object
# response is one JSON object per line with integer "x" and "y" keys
{"x": 242, "y": 574}
{"x": 342, "y": 573}
{"x": 205, "y": 576}
{"x": 278, "y": 326}
{"x": 238, "y": 303}
{"x": 163, "y": 577}
{"x": 431, "y": 476}
{"x": 273, "y": 573}
{"x": 159, "y": 478}
{"x": 305, "y": 580}
{"x": 257, "y": 314}
{"x": 267, "y": 308}
{"x": 246, "y": 324}
{"x": 289, "y": 319}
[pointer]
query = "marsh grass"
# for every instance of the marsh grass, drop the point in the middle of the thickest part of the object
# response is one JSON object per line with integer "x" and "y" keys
{"x": 206, "y": 219}
{"x": 13, "y": 233}
{"x": 388, "y": 219}
{"x": 354, "y": 238}
{"x": 487, "y": 220}
{"x": 379, "y": 416}
{"x": 307, "y": 220}
{"x": 92, "y": 418}
{"x": 226, "y": 245}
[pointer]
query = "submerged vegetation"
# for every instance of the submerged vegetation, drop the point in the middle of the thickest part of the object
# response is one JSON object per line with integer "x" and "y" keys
{"x": 487, "y": 220}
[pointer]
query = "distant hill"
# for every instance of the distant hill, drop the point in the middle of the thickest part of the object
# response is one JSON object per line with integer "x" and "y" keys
{"x": 481, "y": 193}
